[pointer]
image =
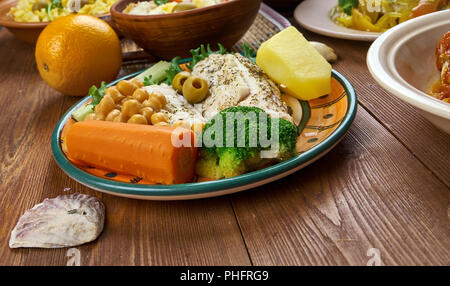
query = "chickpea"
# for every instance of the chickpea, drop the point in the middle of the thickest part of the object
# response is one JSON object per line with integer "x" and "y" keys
{"x": 182, "y": 124}
{"x": 159, "y": 117}
{"x": 97, "y": 109}
{"x": 126, "y": 87}
{"x": 162, "y": 124}
{"x": 140, "y": 94}
{"x": 112, "y": 115}
{"x": 137, "y": 82}
{"x": 120, "y": 118}
{"x": 153, "y": 102}
{"x": 114, "y": 93}
{"x": 130, "y": 108}
{"x": 90, "y": 116}
{"x": 160, "y": 97}
{"x": 147, "y": 112}
{"x": 179, "y": 80}
{"x": 106, "y": 105}
{"x": 99, "y": 116}
{"x": 195, "y": 89}
{"x": 137, "y": 119}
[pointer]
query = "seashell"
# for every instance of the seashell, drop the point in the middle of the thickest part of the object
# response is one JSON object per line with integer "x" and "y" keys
{"x": 64, "y": 221}
{"x": 326, "y": 52}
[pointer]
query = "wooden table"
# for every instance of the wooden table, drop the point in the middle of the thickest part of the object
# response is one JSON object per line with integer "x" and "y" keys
{"x": 383, "y": 190}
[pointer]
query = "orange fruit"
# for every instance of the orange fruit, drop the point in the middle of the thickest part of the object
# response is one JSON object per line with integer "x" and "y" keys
{"x": 77, "y": 51}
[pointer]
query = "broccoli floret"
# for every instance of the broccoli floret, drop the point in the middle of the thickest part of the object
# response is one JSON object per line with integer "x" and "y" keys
{"x": 208, "y": 165}
{"x": 223, "y": 159}
{"x": 288, "y": 140}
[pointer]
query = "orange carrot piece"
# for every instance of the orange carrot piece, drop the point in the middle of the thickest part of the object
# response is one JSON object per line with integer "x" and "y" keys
{"x": 185, "y": 67}
{"x": 139, "y": 150}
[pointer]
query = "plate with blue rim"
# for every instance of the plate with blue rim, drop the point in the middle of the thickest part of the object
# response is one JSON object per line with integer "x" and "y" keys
{"x": 324, "y": 123}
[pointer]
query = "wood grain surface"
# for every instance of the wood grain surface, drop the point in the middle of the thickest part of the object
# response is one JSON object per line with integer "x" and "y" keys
{"x": 384, "y": 189}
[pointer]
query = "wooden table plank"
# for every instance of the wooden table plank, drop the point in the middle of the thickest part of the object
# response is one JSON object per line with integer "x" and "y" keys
{"x": 369, "y": 192}
{"x": 429, "y": 144}
{"x": 202, "y": 232}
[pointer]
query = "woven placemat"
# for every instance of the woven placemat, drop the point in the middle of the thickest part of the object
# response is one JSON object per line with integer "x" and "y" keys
{"x": 263, "y": 28}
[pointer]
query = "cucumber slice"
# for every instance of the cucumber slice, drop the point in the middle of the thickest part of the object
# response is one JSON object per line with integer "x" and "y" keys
{"x": 157, "y": 71}
{"x": 81, "y": 112}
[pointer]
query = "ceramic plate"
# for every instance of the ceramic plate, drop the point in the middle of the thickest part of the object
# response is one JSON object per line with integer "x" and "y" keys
{"x": 324, "y": 123}
{"x": 314, "y": 15}
{"x": 403, "y": 61}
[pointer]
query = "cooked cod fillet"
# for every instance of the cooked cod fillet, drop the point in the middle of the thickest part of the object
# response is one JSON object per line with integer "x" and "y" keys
{"x": 235, "y": 80}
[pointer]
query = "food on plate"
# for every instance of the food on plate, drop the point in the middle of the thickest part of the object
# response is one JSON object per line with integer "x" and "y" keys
{"x": 294, "y": 107}
{"x": 140, "y": 150}
{"x": 77, "y": 51}
{"x": 167, "y": 6}
{"x": 195, "y": 89}
{"x": 292, "y": 62}
{"x": 381, "y": 15}
{"x": 49, "y": 10}
{"x": 64, "y": 221}
{"x": 441, "y": 90}
{"x": 223, "y": 159}
{"x": 235, "y": 105}
{"x": 132, "y": 102}
{"x": 236, "y": 80}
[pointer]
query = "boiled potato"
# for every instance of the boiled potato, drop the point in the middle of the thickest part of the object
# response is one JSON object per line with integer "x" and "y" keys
{"x": 293, "y": 63}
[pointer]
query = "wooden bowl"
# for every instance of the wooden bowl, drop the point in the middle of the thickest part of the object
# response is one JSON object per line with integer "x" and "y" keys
{"x": 29, "y": 31}
{"x": 169, "y": 35}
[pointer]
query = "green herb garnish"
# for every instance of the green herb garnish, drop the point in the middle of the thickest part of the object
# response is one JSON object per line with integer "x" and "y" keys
{"x": 148, "y": 81}
{"x": 347, "y": 5}
{"x": 249, "y": 52}
{"x": 161, "y": 2}
{"x": 173, "y": 70}
{"x": 97, "y": 94}
{"x": 52, "y": 5}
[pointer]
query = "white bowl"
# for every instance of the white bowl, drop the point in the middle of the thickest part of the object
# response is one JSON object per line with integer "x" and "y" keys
{"x": 402, "y": 60}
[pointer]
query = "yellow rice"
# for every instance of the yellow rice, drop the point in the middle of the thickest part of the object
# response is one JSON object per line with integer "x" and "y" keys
{"x": 23, "y": 11}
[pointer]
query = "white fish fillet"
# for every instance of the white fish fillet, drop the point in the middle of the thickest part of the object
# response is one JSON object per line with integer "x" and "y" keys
{"x": 64, "y": 221}
{"x": 235, "y": 80}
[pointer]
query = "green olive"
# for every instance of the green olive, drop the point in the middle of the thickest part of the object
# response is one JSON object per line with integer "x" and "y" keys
{"x": 195, "y": 89}
{"x": 179, "y": 80}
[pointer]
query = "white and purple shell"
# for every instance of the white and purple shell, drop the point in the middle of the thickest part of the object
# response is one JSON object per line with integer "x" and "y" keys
{"x": 64, "y": 221}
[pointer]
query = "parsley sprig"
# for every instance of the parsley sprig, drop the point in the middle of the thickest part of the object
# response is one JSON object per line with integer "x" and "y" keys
{"x": 52, "y": 5}
{"x": 249, "y": 52}
{"x": 161, "y": 2}
{"x": 97, "y": 94}
{"x": 347, "y": 5}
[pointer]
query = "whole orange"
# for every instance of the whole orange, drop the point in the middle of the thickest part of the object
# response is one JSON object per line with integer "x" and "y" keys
{"x": 77, "y": 51}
